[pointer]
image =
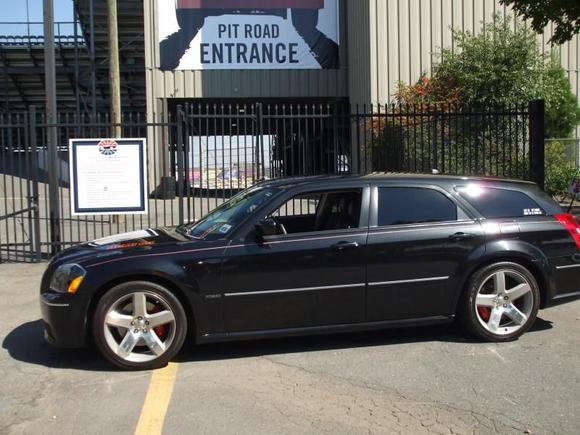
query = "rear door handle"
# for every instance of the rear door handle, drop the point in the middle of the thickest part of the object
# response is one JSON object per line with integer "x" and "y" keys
{"x": 343, "y": 246}
{"x": 461, "y": 236}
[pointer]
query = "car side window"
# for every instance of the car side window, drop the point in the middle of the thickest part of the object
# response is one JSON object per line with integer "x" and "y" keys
{"x": 320, "y": 211}
{"x": 413, "y": 205}
{"x": 500, "y": 203}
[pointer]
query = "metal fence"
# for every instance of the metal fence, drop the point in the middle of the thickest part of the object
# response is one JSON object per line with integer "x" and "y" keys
{"x": 199, "y": 155}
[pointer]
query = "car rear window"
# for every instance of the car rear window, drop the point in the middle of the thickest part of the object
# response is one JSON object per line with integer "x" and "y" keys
{"x": 410, "y": 205}
{"x": 494, "y": 203}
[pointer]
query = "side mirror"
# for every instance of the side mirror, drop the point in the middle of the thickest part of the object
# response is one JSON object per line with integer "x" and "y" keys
{"x": 266, "y": 227}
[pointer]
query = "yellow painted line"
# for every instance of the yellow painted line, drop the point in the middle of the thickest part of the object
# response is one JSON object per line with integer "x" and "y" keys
{"x": 157, "y": 401}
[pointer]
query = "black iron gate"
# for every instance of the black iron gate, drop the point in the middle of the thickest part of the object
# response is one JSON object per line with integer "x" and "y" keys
{"x": 201, "y": 154}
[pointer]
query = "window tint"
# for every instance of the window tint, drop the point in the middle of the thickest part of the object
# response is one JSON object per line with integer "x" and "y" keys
{"x": 500, "y": 203}
{"x": 320, "y": 211}
{"x": 407, "y": 205}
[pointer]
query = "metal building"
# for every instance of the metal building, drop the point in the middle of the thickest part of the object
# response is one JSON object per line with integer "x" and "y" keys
{"x": 381, "y": 42}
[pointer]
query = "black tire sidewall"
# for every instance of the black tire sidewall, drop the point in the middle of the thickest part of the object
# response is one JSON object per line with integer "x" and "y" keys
{"x": 117, "y": 292}
{"x": 468, "y": 313}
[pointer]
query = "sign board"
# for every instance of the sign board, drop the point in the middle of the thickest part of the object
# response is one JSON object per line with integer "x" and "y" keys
{"x": 574, "y": 188}
{"x": 227, "y": 162}
{"x": 248, "y": 34}
{"x": 108, "y": 176}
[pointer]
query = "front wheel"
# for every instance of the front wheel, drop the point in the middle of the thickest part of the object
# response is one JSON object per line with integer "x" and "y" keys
{"x": 501, "y": 302}
{"x": 139, "y": 326}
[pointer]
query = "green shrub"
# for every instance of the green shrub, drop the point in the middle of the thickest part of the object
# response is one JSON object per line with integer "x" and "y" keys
{"x": 559, "y": 170}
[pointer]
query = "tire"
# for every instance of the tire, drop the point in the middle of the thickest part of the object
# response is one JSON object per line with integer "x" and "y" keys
{"x": 500, "y": 309}
{"x": 139, "y": 325}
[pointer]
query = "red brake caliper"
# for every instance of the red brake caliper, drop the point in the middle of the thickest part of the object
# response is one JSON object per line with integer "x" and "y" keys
{"x": 484, "y": 313}
{"x": 160, "y": 330}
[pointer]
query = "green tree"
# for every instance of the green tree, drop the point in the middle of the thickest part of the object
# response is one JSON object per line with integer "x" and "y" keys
{"x": 503, "y": 65}
{"x": 562, "y": 111}
{"x": 565, "y": 14}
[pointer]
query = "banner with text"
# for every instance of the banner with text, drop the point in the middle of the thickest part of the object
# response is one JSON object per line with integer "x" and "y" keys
{"x": 248, "y": 34}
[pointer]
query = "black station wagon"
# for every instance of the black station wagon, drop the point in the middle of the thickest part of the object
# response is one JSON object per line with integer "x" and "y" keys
{"x": 319, "y": 255}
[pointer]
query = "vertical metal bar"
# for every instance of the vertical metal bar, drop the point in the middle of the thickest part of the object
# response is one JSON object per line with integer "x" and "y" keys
{"x": 356, "y": 144}
{"x": 215, "y": 154}
{"x": 114, "y": 75}
{"x": 261, "y": 141}
{"x": 12, "y": 166}
{"x": 335, "y": 137}
{"x": 537, "y": 137}
{"x": 292, "y": 150}
{"x": 27, "y": 182}
{"x": 51, "y": 119}
{"x": 180, "y": 179}
{"x": 225, "y": 115}
{"x": 201, "y": 170}
{"x": 301, "y": 144}
{"x": 34, "y": 180}
{"x": 4, "y": 150}
{"x": 207, "y": 142}
{"x": 435, "y": 138}
{"x": 187, "y": 166}
{"x": 77, "y": 64}
{"x": 23, "y": 147}
{"x": 93, "y": 59}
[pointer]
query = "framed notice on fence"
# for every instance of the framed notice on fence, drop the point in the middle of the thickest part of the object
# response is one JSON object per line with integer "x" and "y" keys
{"x": 108, "y": 176}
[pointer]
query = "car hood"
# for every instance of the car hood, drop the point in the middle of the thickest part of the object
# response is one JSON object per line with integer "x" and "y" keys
{"x": 125, "y": 243}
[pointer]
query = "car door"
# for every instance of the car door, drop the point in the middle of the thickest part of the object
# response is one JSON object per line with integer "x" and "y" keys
{"x": 311, "y": 276}
{"x": 418, "y": 240}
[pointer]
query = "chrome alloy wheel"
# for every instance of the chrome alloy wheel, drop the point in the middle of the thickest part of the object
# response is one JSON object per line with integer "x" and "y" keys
{"x": 504, "y": 302}
{"x": 139, "y": 327}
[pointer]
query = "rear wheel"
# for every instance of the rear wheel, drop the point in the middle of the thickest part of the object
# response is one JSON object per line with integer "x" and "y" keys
{"x": 501, "y": 302}
{"x": 139, "y": 326}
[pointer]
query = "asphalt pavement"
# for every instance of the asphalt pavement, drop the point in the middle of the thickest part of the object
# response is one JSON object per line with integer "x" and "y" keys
{"x": 424, "y": 380}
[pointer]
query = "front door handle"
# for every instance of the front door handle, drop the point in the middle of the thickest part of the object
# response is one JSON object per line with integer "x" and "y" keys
{"x": 457, "y": 237}
{"x": 343, "y": 246}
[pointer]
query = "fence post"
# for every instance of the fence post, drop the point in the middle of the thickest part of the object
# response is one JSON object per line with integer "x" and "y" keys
{"x": 537, "y": 144}
{"x": 51, "y": 128}
{"x": 180, "y": 163}
{"x": 34, "y": 175}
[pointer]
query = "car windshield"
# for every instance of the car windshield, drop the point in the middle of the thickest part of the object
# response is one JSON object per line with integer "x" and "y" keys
{"x": 227, "y": 216}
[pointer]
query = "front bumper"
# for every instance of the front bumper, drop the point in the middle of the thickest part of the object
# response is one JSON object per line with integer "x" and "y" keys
{"x": 64, "y": 324}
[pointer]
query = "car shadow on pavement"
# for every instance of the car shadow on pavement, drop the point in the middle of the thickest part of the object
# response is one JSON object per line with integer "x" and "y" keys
{"x": 26, "y": 343}
{"x": 234, "y": 350}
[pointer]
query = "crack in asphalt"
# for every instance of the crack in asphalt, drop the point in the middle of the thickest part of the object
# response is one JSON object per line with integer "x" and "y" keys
{"x": 483, "y": 420}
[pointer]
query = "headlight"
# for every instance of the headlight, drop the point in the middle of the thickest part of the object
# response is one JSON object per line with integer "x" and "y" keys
{"x": 67, "y": 278}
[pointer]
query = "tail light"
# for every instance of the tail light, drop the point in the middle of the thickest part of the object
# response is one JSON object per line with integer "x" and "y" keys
{"x": 572, "y": 225}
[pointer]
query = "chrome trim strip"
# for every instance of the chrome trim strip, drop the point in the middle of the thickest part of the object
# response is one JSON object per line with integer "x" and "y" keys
{"x": 572, "y": 266}
{"x": 422, "y": 227}
{"x": 537, "y": 222}
{"x": 292, "y": 290}
{"x": 407, "y": 281}
{"x": 51, "y": 304}
{"x": 313, "y": 239}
